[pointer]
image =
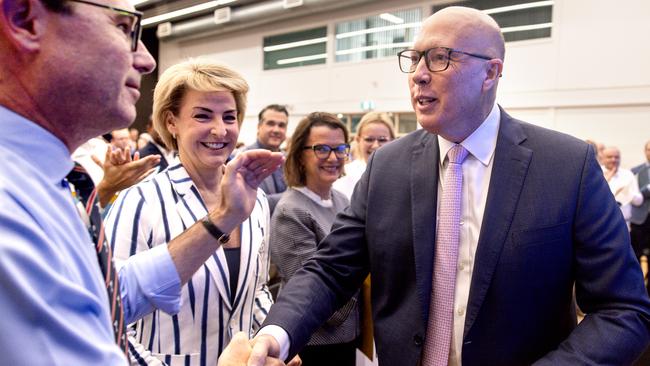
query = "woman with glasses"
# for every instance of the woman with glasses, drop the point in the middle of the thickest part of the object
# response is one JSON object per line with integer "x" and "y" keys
{"x": 198, "y": 109}
{"x": 374, "y": 130}
{"x": 316, "y": 157}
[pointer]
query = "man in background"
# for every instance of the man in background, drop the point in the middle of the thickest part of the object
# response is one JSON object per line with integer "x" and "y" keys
{"x": 621, "y": 182}
{"x": 271, "y": 133}
{"x": 640, "y": 220}
{"x": 156, "y": 147}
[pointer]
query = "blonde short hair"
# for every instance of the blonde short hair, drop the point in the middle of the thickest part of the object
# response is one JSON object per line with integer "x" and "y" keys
{"x": 372, "y": 117}
{"x": 195, "y": 75}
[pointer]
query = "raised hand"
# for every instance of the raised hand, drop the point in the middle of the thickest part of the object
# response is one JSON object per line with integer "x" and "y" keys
{"x": 121, "y": 172}
{"x": 239, "y": 184}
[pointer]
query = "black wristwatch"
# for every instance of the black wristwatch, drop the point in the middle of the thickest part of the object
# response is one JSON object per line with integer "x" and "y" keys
{"x": 214, "y": 230}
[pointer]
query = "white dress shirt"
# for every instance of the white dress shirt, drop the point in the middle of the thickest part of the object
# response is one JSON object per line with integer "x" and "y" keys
{"x": 477, "y": 170}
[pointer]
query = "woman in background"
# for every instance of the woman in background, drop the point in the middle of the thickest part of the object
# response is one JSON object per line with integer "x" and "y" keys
{"x": 303, "y": 217}
{"x": 374, "y": 130}
{"x": 198, "y": 109}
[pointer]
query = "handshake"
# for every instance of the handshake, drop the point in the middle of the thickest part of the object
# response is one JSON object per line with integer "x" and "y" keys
{"x": 262, "y": 350}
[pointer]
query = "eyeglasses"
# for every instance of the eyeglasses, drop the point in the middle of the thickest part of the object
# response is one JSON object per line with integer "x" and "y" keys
{"x": 129, "y": 21}
{"x": 324, "y": 151}
{"x": 371, "y": 140}
{"x": 436, "y": 58}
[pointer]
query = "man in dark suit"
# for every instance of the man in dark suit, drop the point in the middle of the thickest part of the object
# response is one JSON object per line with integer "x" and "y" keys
{"x": 640, "y": 220}
{"x": 536, "y": 218}
{"x": 271, "y": 133}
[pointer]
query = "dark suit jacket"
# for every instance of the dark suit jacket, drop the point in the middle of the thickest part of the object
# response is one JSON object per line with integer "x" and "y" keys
{"x": 640, "y": 213}
{"x": 151, "y": 149}
{"x": 274, "y": 185}
{"x": 550, "y": 219}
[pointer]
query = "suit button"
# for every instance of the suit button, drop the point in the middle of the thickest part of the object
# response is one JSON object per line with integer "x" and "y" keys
{"x": 417, "y": 340}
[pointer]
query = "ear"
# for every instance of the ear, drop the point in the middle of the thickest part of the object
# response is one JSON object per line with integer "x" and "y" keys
{"x": 170, "y": 122}
{"x": 493, "y": 73}
{"x": 22, "y": 23}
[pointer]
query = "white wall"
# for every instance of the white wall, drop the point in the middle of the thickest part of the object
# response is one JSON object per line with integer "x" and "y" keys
{"x": 591, "y": 79}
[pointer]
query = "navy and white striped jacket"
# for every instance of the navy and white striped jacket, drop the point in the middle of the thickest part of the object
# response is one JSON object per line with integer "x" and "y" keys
{"x": 152, "y": 213}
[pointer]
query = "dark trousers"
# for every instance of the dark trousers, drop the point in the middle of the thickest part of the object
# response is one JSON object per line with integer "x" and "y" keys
{"x": 340, "y": 354}
{"x": 640, "y": 235}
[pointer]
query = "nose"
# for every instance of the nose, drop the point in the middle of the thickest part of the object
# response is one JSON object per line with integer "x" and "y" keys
{"x": 218, "y": 128}
{"x": 142, "y": 59}
{"x": 421, "y": 75}
{"x": 375, "y": 144}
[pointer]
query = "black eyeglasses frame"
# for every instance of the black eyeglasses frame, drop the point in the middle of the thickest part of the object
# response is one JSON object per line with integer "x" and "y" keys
{"x": 413, "y": 65}
{"x": 136, "y": 33}
{"x": 336, "y": 149}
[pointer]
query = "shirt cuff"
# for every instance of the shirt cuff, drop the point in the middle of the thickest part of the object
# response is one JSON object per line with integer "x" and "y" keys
{"x": 149, "y": 280}
{"x": 281, "y": 336}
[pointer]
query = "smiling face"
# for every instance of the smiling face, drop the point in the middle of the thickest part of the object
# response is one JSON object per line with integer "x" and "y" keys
{"x": 371, "y": 137}
{"x": 454, "y": 102}
{"x": 611, "y": 158}
{"x": 272, "y": 129}
{"x": 320, "y": 174}
{"x": 206, "y": 130}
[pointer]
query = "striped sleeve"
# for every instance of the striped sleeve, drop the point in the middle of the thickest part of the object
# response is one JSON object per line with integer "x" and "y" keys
{"x": 263, "y": 297}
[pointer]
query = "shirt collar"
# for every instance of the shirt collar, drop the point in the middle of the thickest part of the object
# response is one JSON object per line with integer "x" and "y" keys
{"x": 481, "y": 143}
{"x": 36, "y": 145}
{"x": 315, "y": 197}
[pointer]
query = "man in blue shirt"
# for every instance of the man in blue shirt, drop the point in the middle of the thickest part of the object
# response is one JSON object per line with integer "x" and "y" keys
{"x": 70, "y": 70}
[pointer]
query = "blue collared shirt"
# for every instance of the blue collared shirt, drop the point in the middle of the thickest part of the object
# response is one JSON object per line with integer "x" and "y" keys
{"x": 52, "y": 296}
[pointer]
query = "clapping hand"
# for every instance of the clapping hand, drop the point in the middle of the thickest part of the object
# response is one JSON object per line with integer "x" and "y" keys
{"x": 242, "y": 176}
{"x": 121, "y": 171}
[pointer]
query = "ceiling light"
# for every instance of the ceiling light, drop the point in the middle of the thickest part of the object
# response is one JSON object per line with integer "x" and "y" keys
{"x": 284, "y": 46}
{"x": 185, "y": 11}
{"x": 526, "y": 27}
{"x": 391, "y": 18}
{"x": 301, "y": 59}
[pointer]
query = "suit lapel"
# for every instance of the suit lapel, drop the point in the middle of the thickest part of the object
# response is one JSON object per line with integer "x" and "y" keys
{"x": 190, "y": 208}
{"x": 511, "y": 161}
{"x": 424, "y": 191}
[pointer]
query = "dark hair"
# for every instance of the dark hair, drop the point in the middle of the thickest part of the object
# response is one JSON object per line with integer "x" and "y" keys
{"x": 276, "y": 107}
{"x": 294, "y": 173}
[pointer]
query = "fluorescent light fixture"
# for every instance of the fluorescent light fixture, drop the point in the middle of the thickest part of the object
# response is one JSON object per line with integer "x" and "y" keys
{"x": 138, "y": 2}
{"x": 503, "y": 9}
{"x": 372, "y": 48}
{"x": 378, "y": 29}
{"x": 301, "y": 59}
{"x": 391, "y": 18}
{"x": 526, "y": 27}
{"x": 305, "y": 42}
{"x": 185, "y": 11}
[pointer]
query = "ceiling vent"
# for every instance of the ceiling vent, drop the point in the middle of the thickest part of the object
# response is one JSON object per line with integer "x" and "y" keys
{"x": 222, "y": 15}
{"x": 292, "y": 3}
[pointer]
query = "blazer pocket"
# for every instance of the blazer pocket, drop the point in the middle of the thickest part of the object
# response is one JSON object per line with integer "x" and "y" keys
{"x": 542, "y": 235}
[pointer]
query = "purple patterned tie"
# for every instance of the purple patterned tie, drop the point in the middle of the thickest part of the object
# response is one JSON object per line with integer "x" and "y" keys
{"x": 445, "y": 262}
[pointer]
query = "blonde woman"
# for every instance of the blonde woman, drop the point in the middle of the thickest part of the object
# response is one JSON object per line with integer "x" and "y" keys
{"x": 374, "y": 130}
{"x": 198, "y": 109}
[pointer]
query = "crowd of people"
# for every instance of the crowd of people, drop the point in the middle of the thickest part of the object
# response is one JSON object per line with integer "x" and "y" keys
{"x": 475, "y": 237}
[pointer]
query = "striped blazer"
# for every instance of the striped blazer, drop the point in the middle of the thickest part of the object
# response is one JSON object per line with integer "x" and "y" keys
{"x": 152, "y": 213}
